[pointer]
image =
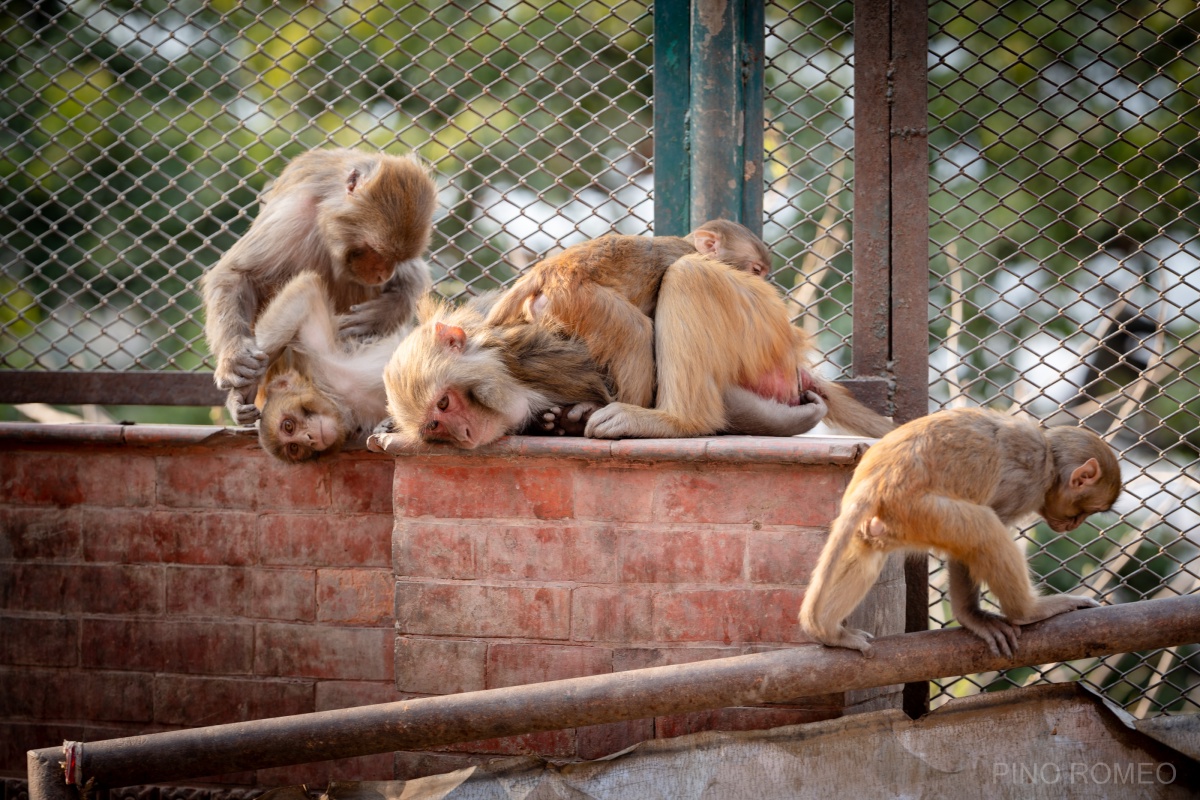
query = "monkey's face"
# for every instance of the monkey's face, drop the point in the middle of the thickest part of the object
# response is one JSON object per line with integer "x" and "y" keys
{"x": 298, "y": 421}
{"x": 455, "y": 418}
{"x": 1068, "y": 506}
{"x": 367, "y": 265}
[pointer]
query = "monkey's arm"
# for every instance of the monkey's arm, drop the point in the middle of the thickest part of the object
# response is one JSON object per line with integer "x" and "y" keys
{"x": 230, "y": 302}
{"x": 999, "y": 634}
{"x": 750, "y": 414}
{"x": 393, "y": 307}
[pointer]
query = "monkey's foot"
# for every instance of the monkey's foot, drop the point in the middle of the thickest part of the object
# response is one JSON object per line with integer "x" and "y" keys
{"x": 1056, "y": 604}
{"x": 851, "y": 639}
{"x": 567, "y": 420}
{"x": 997, "y": 632}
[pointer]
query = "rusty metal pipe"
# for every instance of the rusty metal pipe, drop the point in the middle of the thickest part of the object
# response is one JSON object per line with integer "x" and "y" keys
{"x": 771, "y": 677}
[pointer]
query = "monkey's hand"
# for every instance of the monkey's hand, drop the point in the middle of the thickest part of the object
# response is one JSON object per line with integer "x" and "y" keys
{"x": 241, "y": 408}
{"x": 567, "y": 420}
{"x": 392, "y": 308}
{"x": 388, "y": 425}
{"x": 997, "y": 632}
{"x": 240, "y": 365}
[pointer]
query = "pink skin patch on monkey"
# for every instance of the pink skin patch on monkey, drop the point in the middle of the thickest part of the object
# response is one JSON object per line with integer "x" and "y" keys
{"x": 782, "y": 386}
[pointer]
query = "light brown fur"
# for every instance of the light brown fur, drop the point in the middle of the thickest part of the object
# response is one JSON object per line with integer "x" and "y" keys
{"x": 953, "y": 482}
{"x": 456, "y": 380}
{"x": 642, "y": 305}
{"x": 360, "y": 220}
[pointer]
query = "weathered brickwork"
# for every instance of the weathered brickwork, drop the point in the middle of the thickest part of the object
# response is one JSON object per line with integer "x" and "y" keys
{"x": 153, "y": 578}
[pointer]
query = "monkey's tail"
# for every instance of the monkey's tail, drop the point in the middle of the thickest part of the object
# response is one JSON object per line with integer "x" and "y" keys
{"x": 509, "y": 308}
{"x": 849, "y": 415}
{"x": 814, "y": 618}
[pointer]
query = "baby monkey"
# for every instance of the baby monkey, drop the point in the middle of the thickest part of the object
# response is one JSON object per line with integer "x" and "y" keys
{"x": 953, "y": 482}
{"x": 319, "y": 391}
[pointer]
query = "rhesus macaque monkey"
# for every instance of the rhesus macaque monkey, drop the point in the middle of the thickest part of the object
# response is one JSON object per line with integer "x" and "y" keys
{"x": 319, "y": 391}
{"x": 605, "y": 292}
{"x": 360, "y": 220}
{"x": 456, "y": 380}
{"x": 718, "y": 340}
{"x": 953, "y": 482}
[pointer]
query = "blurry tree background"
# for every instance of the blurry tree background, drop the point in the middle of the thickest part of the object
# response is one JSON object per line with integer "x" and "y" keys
{"x": 136, "y": 136}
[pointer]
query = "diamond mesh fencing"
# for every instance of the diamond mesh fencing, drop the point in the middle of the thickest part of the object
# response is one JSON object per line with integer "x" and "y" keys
{"x": 135, "y": 138}
{"x": 138, "y": 136}
{"x": 1064, "y": 284}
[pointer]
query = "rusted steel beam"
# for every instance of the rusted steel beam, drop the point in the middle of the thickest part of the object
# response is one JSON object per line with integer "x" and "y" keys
{"x": 771, "y": 677}
{"x": 111, "y": 388}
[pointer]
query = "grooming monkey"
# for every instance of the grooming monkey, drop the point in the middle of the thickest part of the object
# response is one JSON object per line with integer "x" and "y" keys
{"x": 605, "y": 292}
{"x": 360, "y": 220}
{"x": 456, "y": 380}
{"x": 718, "y": 340}
{"x": 318, "y": 391}
{"x": 953, "y": 482}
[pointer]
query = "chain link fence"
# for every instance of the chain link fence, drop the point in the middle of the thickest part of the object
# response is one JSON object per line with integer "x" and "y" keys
{"x": 135, "y": 138}
{"x": 1064, "y": 283}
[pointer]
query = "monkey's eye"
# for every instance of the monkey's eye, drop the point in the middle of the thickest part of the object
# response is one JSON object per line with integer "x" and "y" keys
{"x": 295, "y": 451}
{"x": 289, "y": 426}
{"x": 443, "y": 403}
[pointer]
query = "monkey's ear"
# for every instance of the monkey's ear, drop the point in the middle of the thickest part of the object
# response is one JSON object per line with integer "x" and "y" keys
{"x": 352, "y": 181}
{"x": 707, "y": 242}
{"x": 451, "y": 336}
{"x": 1085, "y": 474}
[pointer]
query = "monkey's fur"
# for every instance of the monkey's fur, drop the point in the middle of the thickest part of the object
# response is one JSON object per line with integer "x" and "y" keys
{"x": 953, "y": 482}
{"x": 359, "y": 219}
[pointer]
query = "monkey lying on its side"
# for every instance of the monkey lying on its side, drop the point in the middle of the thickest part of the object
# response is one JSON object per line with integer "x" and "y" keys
{"x": 953, "y": 482}
{"x": 318, "y": 392}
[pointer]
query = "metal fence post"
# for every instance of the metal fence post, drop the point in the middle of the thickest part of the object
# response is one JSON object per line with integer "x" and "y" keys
{"x": 708, "y": 115}
{"x": 891, "y": 234}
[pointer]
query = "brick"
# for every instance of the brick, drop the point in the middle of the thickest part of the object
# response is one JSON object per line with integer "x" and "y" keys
{"x": 35, "y": 534}
{"x": 548, "y": 744}
{"x": 69, "y": 479}
{"x": 379, "y": 767}
{"x": 363, "y": 485}
{"x": 518, "y": 664}
{"x": 740, "y": 719}
{"x": 74, "y": 695}
{"x": 219, "y": 648}
{"x": 69, "y": 588}
{"x": 645, "y": 657}
{"x": 615, "y": 495}
{"x": 729, "y": 616}
{"x": 442, "y": 489}
{"x": 611, "y": 614}
{"x": 36, "y": 641}
{"x": 208, "y": 591}
{"x": 560, "y": 553}
{"x": 286, "y": 594}
{"x": 436, "y": 550}
{"x": 205, "y": 481}
{"x": 331, "y": 541}
{"x": 355, "y": 596}
{"x": 313, "y": 651}
{"x": 176, "y": 537}
{"x": 293, "y": 487}
{"x": 784, "y": 557}
{"x": 488, "y": 611}
{"x": 683, "y": 556}
{"x": 352, "y": 694}
{"x": 198, "y": 701}
{"x": 598, "y": 741}
{"x": 806, "y": 497}
{"x": 440, "y": 666}
{"x": 35, "y": 587}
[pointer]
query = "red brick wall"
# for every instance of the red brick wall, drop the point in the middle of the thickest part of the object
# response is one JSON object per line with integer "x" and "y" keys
{"x": 161, "y": 577}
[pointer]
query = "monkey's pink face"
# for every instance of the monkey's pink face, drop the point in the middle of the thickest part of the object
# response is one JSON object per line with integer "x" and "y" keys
{"x": 455, "y": 419}
{"x": 369, "y": 266}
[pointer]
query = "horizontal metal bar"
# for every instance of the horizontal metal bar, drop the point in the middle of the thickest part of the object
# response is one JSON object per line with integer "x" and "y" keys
{"x": 111, "y": 388}
{"x": 771, "y": 677}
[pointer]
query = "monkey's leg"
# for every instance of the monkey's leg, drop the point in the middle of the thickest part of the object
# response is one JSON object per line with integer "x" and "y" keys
{"x": 619, "y": 337}
{"x": 834, "y": 593}
{"x": 999, "y": 634}
{"x": 750, "y": 414}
